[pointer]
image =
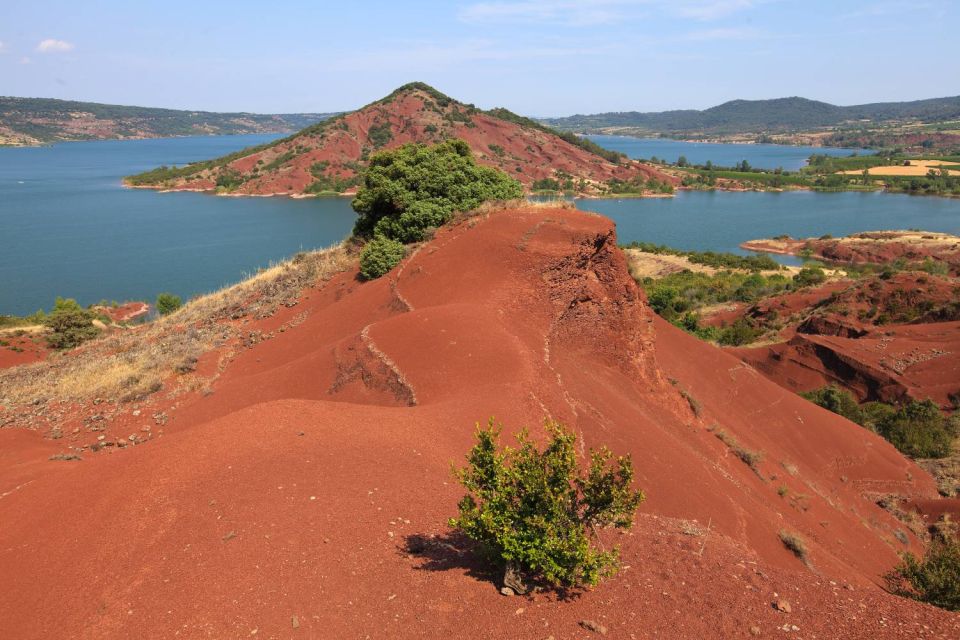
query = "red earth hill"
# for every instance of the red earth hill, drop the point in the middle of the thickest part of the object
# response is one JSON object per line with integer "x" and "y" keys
{"x": 306, "y": 493}
{"x": 877, "y": 247}
{"x": 328, "y": 156}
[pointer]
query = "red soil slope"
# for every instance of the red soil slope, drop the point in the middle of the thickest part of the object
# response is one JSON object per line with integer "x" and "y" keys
{"x": 878, "y": 247}
{"x": 886, "y": 339}
{"x": 21, "y": 349}
{"x": 307, "y": 496}
{"x": 336, "y": 150}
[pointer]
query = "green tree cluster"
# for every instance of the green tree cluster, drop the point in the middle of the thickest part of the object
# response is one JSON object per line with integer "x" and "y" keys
{"x": 409, "y": 190}
{"x": 70, "y": 324}
{"x": 917, "y": 428}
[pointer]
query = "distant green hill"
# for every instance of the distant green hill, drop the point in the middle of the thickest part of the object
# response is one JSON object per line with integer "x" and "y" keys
{"x": 781, "y": 114}
{"x": 40, "y": 120}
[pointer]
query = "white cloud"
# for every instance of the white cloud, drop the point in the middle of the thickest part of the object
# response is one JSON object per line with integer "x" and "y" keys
{"x": 596, "y": 12}
{"x": 2, "y": 45}
{"x": 565, "y": 12}
{"x": 51, "y": 45}
{"x": 710, "y": 9}
{"x": 724, "y": 33}
{"x": 25, "y": 60}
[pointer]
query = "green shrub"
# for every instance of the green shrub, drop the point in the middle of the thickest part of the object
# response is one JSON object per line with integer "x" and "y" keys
{"x": 408, "y": 189}
{"x": 70, "y": 324}
{"x": 837, "y": 400}
{"x": 168, "y": 303}
{"x": 545, "y": 184}
{"x": 380, "y": 134}
{"x": 809, "y": 276}
{"x": 229, "y": 179}
{"x": 537, "y": 509}
{"x": 739, "y": 333}
{"x": 934, "y": 580}
{"x": 379, "y": 256}
{"x": 919, "y": 430}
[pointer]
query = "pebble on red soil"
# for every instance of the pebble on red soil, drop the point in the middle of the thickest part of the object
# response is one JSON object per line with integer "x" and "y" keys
{"x": 782, "y": 605}
{"x": 596, "y": 627}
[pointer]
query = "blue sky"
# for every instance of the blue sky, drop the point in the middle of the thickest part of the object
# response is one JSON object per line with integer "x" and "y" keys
{"x": 537, "y": 57}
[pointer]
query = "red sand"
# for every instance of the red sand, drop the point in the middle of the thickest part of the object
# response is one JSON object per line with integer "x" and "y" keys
{"x": 21, "y": 349}
{"x": 281, "y": 505}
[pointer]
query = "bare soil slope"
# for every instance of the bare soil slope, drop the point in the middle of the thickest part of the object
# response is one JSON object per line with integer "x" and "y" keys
{"x": 305, "y": 494}
{"x": 328, "y": 156}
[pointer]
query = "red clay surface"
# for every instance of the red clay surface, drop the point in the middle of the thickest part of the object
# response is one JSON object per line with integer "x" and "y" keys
{"x": 126, "y": 312}
{"x": 526, "y": 153}
{"x": 878, "y": 247}
{"x": 284, "y": 504}
{"x": 888, "y": 339}
{"x": 16, "y": 350}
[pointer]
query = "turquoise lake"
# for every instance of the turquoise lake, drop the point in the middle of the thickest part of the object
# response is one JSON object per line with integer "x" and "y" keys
{"x": 763, "y": 156}
{"x": 68, "y": 227}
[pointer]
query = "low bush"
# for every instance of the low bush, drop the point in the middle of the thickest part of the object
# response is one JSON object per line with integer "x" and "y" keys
{"x": 70, "y": 324}
{"x": 920, "y": 430}
{"x": 917, "y": 429}
{"x": 379, "y": 256}
{"x": 837, "y": 400}
{"x": 537, "y": 510}
{"x": 168, "y": 303}
{"x": 809, "y": 276}
{"x": 935, "y": 579}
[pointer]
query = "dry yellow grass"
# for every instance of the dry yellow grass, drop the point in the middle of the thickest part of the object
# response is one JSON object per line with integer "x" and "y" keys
{"x": 129, "y": 364}
{"x": 916, "y": 168}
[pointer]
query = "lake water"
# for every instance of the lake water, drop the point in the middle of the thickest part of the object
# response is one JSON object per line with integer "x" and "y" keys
{"x": 720, "y": 221}
{"x": 763, "y": 156}
{"x": 67, "y": 226}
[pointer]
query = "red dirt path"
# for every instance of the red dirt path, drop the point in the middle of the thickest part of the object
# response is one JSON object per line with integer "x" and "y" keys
{"x": 281, "y": 506}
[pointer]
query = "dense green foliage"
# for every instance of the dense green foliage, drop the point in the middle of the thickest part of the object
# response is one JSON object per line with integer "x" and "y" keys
{"x": 839, "y": 401}
{"x": 168, "y": 303}
{"x": 637, "y": 185}
{"x": 70, "y": 324}
{"x": 538, "y": 509}
{"x": 677, "y": 297}
{"x": 920, "y": 430}
{"x": 713, "y": 259}
{"x": 407, "y": 190}
{"x": 809, "y": 276}
{"x": 917, "y": 429}
{"x": 685, "y": 291}
{"x": 380, "y": 134}
{"x": 935, "y": 579}
{"x": 379, "y": 256}
{"x": 23, "y": 116}
{"x": 763, "y": 115}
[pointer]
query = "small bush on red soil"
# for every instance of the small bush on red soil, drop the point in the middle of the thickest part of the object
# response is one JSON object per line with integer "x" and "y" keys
{"x": 935, "y": 579}
{"x": 70, "y": 324}
{"x": 379, "y": 256}
{"x": 537, "y": 511}
{"x": 919, "y": 430}
{"x": 168, "y": 303}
